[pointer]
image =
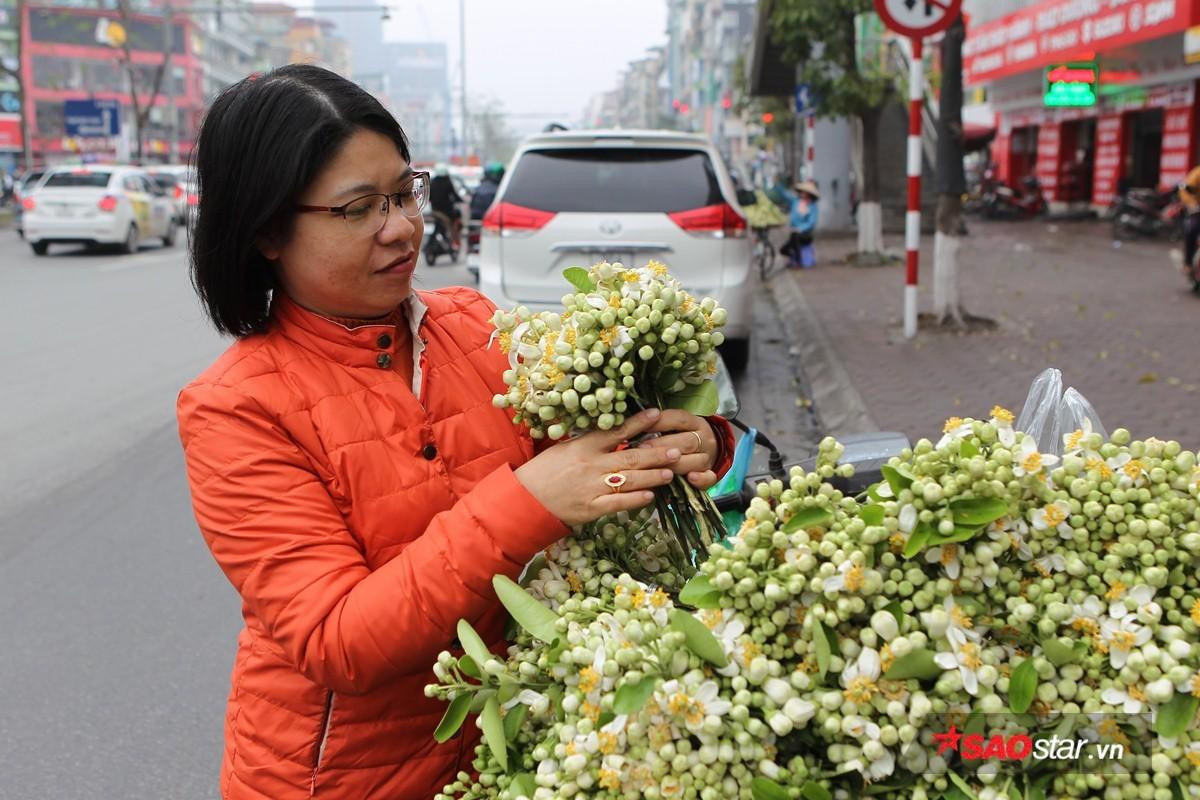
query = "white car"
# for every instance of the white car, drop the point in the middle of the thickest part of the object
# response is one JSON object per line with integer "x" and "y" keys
{"x": 97, "y": 205}
{"x": 572, "y": 198}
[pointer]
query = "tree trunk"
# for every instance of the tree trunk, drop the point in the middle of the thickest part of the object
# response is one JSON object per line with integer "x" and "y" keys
{"x": 870, "y": 213}
{"x": 950, "y": 180}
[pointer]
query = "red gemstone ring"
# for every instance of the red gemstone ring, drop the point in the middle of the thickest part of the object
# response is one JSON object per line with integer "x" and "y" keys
{"x": 614, "y": 481}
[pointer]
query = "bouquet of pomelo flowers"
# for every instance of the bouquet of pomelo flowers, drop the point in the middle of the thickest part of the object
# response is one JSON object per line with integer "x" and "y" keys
{"x": 852, "y": 646}
{"x": 627, "y": 338}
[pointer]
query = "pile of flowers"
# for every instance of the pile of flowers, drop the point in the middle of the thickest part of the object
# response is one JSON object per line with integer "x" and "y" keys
{"x": 981, "y": 586}
{"x": 627, "y": 338}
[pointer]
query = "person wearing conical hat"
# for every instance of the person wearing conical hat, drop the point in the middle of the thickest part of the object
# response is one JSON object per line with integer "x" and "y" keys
{"x": 802, "y": 223}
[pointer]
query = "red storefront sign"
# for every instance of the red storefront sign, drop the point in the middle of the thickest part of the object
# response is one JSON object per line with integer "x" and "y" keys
{"x": 1058, "y": 30}
{"x": 1049, "y": 144}
{"x": 1178, "y": 135}
{"x": 10, "y": 132}
{"x": 1107, "y": 166}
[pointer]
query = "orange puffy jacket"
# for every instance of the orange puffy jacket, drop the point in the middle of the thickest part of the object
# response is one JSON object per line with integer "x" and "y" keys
{"x": 358, "y": 521}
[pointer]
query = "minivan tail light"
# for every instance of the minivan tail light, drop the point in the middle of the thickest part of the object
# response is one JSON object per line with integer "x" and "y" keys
{"x": 108, "y": 203}
{"x": 505, "y": 219}
{"x": 28, "y": 204}
{"x": 178, "y": 191}
{"x": 720, "y": 220}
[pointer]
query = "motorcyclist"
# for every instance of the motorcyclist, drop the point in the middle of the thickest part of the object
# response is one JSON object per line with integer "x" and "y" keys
{"x": 1189, "y": 195}
{"x": 445, "y": 199}
{"x": 485, "y": 193}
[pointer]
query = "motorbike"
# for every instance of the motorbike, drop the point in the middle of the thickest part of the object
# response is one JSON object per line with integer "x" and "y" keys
{"x": 1003, "y": 202}
{"x": 1148, "y": 213}
{"x": 438, "y": 241}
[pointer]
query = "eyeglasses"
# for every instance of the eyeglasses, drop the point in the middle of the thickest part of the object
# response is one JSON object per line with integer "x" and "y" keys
{"x": 365, "y": 216}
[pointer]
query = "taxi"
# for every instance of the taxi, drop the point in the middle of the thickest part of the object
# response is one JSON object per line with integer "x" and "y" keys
{"x": 98, "y": 205}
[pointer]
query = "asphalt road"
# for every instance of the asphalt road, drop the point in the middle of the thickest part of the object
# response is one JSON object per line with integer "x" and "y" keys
{"x": 119, "y": 628}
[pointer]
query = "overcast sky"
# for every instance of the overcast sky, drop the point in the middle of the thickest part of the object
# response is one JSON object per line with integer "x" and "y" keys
{"x": 536, "y": 56}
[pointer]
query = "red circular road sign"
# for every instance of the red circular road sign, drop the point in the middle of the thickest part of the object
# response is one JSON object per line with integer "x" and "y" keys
{"x": 918, "y": 17}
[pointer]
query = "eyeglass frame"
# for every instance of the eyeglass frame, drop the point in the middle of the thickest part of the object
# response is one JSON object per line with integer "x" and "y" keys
{"x": 341, "y": 210}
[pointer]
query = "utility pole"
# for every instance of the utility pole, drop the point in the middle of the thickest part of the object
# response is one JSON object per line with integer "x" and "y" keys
{"x": 171, "y": 114}
{"x": 462, "y": 66}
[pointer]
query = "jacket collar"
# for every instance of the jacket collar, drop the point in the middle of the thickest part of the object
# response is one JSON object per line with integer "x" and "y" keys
{"x": 362, "y": 346}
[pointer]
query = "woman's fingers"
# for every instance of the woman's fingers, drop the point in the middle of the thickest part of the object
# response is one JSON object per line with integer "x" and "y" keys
{"x": 625, "y": 501}
{"x": 686, "y": 442}
{"x": 639, "y": 458}
{"x": 636, "y": 480}
{"x": 702, "y": 479}
{"x": 638, "y": 423}
{"x": 674, "y": 420}
{"x": 696, "y": 462}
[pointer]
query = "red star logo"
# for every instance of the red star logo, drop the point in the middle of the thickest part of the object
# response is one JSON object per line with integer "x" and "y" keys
{"x": 948, "y": 740}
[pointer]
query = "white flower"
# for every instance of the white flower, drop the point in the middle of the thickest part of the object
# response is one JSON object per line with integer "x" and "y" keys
{"x": 877, "y": 761}
{"x": 961, "y": 628}
{"x": 695, "y": 706}
{"x": 966, "y": 659}
{"x": 728, "y": 631}
{"x": 1002, "y": 421}
{"x": 656, "y": 601}
{"x": 1142, "y": 595}
{"x": 1132, "y": 700}
{"x": 884, "y": 490}
{"x": 954, "y": 429}
{"x": 538, "y": 703}
{"x": 1121, "y": 636}
{"x": 522, "y": 350}
{"x": 1028, "y": 461}
{"x": 1014, "y": 531}
{"x": 1049, "y": 564}
{"x": 859, "y": 679}
{"x": 1087, "y": 615}
{"x": 1054, "y": 516}
{"x": 849, "y": 579}
{"x": 1190, "y": 686}
{"x": 1128, "y": 470}
{"x": 908, "y": 518}
{"x": 947, "y": 556}
{"x": 1073, "y": 442}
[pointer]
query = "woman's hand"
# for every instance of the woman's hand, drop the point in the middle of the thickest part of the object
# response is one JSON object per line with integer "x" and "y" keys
{"x": 569, "y": 478}
{"x": 693, "y": 437}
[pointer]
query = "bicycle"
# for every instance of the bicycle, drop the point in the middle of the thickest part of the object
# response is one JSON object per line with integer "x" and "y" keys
{"x": 764, "y": 252}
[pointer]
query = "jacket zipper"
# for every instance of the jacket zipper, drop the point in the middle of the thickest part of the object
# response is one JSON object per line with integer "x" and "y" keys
{"x": 326, "y": 724}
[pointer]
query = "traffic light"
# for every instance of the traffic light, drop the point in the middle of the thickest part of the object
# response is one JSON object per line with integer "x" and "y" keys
{"x": 768, "y": 118}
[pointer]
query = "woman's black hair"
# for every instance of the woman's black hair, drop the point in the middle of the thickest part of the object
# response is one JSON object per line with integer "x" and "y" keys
{"x": 263, "y": 141}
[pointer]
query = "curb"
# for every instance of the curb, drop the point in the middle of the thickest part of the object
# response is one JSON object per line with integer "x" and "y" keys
{"x": 840, "y": 408}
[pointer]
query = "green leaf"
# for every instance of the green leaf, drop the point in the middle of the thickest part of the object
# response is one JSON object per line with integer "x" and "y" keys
{"x": 821, "y": 643}
{"x": 766, "y": 789}
{"x": 896, "y": 610}
{"x": 978, "y": 510}
{"x": 967, "y": 449}
{"x": 962, "y": 533}
{"x": 452, "y": 720}
{"x": 807, "y": 518}
{"x": 526, "y": 610}
{"x": 917, "y": 540}
{"x": 470, "y": 668}
{"x": 700, "y": 593}
{"x": 896, "y": 479}
{"x": 523, "y": 784}
{"x": 975, "y": 723}
{"x": 832, "y": 638}
{"x": 812, "y": 790}
{"x": 871, "y": 514}
{"x": 513, "y": 719}
{"x": 1176, "y": 790}
{"x": 1014, "y": 793}
{"x": 1175, "y": 717}
{"x": 699, "y": 638}
{"x": 1021, "y": 686}
{"x": 472, "y": 644}
{"x": 480, "y": 700}
{"x": 1060, "y": 651}
{"x": 578, "y": 277}
{"x": 532, "y": 569}
{"x": 493, "y": 732}
{"x": 631, "y": 697}
{"x": 700, "y": 399}
{"x": 918, "y": 664}
{"x": 962, "y": 785}
{"x": 873, "y": 493}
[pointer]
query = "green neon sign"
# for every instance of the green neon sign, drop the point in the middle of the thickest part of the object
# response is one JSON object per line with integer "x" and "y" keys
{"x": 1071, "y": 85}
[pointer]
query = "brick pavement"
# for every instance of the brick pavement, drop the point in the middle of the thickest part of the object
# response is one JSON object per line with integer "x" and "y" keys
{"x": 1121, "y": 324}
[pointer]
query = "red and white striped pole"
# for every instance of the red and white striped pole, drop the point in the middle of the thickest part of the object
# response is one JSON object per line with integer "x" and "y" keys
{"x": 912, "y": 220}
{"x": 810, "y": 150}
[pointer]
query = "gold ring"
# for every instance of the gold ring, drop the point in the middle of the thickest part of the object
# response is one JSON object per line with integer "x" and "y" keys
{"x": 614, "y": 481}
{"x": 699, "y": 441}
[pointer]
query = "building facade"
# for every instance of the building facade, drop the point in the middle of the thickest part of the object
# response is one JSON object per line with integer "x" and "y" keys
{"x": 1090, "y": 96}
{"x": 418, "y": 79}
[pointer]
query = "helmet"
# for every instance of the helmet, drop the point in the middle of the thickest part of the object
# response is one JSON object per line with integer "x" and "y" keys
{"x": 440, "y": 169}
{"x": 494, "y": 169}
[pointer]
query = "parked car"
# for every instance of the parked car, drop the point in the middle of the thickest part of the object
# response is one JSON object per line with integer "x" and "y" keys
{"x": 25, "y": 184}
{"x": 571, "y": 198}
{"x": 96, "y": 205}
{"x": 174, "y": 179}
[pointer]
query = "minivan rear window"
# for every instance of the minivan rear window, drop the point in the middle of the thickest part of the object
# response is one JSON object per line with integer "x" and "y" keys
{"x": 614, "y": 179}
{"x": 94, "y": 180}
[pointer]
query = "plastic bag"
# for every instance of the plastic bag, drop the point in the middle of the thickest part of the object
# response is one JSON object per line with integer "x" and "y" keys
{"x": 1049, "y": 413}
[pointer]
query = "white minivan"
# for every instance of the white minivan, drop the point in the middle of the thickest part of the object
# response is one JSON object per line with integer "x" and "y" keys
{"x": 571, "y": 198}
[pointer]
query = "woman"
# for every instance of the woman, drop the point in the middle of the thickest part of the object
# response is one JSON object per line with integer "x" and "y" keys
{"x": 347, "y": 468}
{"x": 803, "y": 222}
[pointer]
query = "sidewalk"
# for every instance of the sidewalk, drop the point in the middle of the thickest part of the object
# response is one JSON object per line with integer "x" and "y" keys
{"x": 1120, "y": 322}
